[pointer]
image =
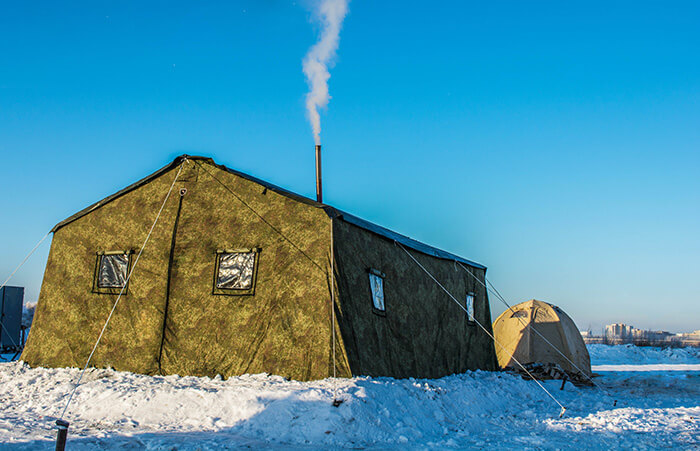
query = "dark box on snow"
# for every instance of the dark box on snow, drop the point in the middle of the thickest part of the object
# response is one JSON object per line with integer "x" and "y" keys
{"x": 11, "y": 299}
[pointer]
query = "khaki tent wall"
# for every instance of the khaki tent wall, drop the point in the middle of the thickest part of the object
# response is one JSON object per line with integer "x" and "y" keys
{"x": 424, "y": 334}
{"x": 514, "y": 330}
{"x": 283, "y": 329}
{"x": 170, "y": 322}
{"x": 69, "y": 317}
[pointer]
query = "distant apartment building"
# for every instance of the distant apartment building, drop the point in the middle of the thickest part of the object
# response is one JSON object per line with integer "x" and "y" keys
{"x": 620, "y": 333}
{"x": 695, "y": 335}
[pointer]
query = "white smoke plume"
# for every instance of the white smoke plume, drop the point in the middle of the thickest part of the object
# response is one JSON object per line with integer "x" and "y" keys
{"x": 330, "y": 14}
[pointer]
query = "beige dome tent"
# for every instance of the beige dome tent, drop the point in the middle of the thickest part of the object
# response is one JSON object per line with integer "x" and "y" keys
{"x": 517, "y": 332}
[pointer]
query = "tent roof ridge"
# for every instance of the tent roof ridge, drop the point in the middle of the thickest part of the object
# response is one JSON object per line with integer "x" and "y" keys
{"x": 332, "y": 212}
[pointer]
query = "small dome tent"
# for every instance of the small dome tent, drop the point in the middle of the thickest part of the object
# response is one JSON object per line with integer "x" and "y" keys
{"x": 520, "y": 331}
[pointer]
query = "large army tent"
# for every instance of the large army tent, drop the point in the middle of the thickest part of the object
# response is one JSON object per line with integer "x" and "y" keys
{"x": 240, "y": 276}
{"x": 535, "y": 332}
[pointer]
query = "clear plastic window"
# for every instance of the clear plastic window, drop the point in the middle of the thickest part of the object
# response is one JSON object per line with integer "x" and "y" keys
{"x": 113, "y": 271}
{"x": 470, "y": 307}
{"x": 376, "y": 284}
{"x": 236, "y": 271}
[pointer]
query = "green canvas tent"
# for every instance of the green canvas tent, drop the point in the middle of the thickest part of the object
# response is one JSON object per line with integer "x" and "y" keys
{"x": 240, "y": 276}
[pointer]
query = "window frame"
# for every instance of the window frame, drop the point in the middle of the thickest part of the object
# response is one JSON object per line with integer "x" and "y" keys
{"x": 236, "y": 291}
{"x": 96, "y": 276}
{"x": 471, "y": 319}
{"x": 381, "y": 275}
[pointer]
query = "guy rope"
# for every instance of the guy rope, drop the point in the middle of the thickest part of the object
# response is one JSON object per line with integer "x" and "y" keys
{"x": 563, "y": 409}
{"x": 336, "y": 401}
{"x": 63, "y": 425}
{"x": 25, "y": 259}
{"x": 15, "y": 271}
{"x": 490, "y": 287}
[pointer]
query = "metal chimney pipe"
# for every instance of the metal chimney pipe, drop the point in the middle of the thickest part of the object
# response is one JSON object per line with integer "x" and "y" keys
{"x": 319, "y": 187}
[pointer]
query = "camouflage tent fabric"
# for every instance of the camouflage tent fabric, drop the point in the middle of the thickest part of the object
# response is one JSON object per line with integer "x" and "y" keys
{"x": 240, "y": 276}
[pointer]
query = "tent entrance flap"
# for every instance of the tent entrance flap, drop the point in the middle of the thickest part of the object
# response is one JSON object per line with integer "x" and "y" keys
{"x": 168, "y": 284}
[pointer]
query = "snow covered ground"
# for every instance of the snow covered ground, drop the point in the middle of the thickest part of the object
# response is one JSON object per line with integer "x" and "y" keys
{"x": 117, "y": 410}
{"x": 633, "y": 358}
{"x": 630, "y": 354}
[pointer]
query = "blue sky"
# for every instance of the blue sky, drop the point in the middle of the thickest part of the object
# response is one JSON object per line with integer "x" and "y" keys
{"x": 558, "y": 143}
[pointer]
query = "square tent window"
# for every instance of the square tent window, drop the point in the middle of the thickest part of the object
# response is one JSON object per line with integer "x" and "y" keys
{"x": 236, "y": 272}
{"x": 376, "y": 285}
{"x": 112, "y": 272}
{"x": 469, "y": 304}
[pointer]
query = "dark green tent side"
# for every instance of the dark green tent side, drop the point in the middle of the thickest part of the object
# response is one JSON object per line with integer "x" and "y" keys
{"x": 423, "y": 332}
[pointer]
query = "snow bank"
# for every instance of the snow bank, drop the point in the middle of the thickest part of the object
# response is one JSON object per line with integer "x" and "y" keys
{"x": 658, "y": 367}
{"x": 630, "y": 354}
{"x": 116, "y": 410}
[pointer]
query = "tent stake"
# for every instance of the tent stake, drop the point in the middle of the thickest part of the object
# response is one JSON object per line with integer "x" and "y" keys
{"x": 62, "y": 435}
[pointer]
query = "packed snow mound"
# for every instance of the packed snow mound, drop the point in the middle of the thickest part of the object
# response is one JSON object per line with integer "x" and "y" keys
{"x": 641, "y": 355}
{"x": 118, "y": 410}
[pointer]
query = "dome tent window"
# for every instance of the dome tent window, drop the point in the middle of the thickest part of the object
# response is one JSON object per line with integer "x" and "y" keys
{"x": 376, "y": 285}
{"x": 469, "y": 304}
{"x": 236, "y": 271}
{"x": 111, "y": 272}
